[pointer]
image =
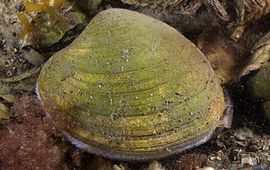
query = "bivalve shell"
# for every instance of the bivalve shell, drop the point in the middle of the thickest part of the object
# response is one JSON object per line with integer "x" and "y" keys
{"x": 131, "y": 87}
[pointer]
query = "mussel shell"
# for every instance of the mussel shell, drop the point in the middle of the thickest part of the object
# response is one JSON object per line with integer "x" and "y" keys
{"x": 132, "y": 87}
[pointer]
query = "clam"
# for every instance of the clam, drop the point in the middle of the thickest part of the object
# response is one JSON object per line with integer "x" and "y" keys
{"x": 258, "y": 73}
{"x": 130, "y": 87}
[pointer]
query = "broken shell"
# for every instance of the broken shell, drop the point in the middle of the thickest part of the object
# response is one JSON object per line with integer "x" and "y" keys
{"x": 131, "y": 87}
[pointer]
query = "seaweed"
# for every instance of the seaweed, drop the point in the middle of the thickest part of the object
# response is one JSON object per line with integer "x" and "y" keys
{"x": 43, "y": 22}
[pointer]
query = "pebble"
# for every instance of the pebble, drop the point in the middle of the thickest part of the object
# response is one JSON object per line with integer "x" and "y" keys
{"x": 243, "y": 134}
{"x": 118, "y": 167}
{"x": 34, "y": 58}
{"x": 248, "y": 160}
{"x": 155, "y": 165}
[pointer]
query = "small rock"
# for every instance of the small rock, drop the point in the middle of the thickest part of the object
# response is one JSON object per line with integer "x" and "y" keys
{"x": 34, "y": 58}
{"x": 118, "y": 167}
{"x": 155, "y": 165}
{"x": 243, "y": 134}
{"x": 248, "y": 160}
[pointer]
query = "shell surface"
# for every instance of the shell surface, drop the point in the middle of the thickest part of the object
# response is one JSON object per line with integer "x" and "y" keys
{"x": 132, "y": 87}
{"x": 260, "y": 83}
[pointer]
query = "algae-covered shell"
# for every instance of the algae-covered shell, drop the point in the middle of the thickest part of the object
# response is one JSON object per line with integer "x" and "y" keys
{"x": 260, "y": 83}
{"x": 132, "y": 87}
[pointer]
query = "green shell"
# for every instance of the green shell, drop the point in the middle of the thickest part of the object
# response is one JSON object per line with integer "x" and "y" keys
{"x": 132, "y": 87}
{"x": 260, "y": 83}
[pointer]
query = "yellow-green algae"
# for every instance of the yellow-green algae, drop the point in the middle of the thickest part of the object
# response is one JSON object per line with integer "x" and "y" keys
{"x": 132, "y": 85}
